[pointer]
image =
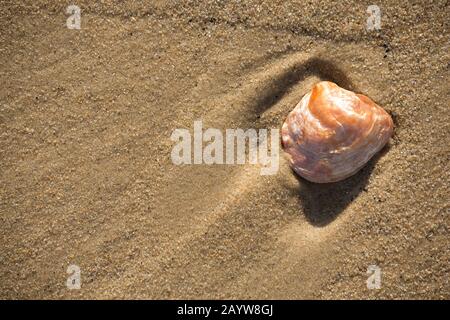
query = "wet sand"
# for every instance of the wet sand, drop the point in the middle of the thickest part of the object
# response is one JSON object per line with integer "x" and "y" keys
{"x": 87, "y": 178}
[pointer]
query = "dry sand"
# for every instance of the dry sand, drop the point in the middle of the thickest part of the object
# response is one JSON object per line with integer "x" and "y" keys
{"x": 86, "y": 174}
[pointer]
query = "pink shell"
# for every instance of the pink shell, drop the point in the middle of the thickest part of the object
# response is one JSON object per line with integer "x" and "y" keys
{"x": 333, "y": 132}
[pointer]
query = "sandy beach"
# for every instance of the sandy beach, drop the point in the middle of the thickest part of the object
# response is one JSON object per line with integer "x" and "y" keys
{"x": 86, "y": 172}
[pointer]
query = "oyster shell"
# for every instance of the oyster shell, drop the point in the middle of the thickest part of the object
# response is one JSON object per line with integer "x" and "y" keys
{"x": 333, "y": 132}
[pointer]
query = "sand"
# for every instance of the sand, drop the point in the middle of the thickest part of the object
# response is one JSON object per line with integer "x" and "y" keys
{"x": 87, "y": 178}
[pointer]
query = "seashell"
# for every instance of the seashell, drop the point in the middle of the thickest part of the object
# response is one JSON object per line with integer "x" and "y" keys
{"x": 333, "y": 132}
